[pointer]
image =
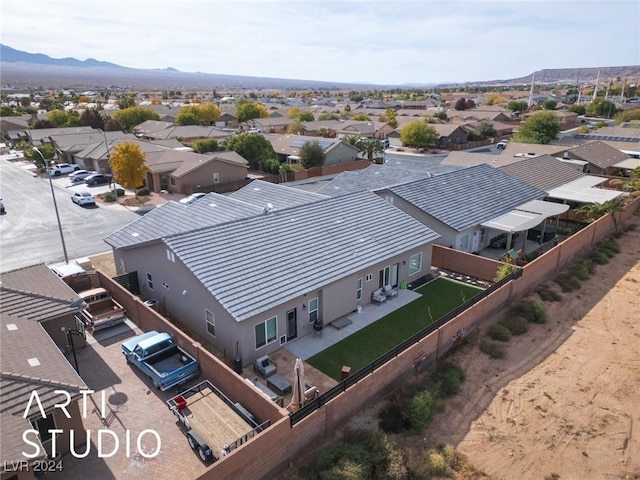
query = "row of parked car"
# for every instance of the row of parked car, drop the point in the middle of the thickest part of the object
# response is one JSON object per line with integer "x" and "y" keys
{"x": 76, "y": 174}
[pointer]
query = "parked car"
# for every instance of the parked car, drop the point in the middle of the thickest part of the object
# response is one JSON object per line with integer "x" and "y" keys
{"x": 62, "y": 169}
{"x": 193, "y": 198}
{"x": 502, "y": 144}
{"x": 79, "y": 175}
{"x": 97, "y": 179}
{"x": 254, "y": 130}
{"x": 83, "y": 198}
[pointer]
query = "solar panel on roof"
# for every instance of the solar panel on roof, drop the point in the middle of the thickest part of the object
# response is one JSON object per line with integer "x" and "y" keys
{"x": 324, "y": 144}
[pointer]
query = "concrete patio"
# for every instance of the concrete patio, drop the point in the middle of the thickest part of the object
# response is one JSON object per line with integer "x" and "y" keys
{"x": 307, "y": 346}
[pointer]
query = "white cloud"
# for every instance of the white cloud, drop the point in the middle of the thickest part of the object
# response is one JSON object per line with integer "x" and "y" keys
{"x": 370, "y": 41}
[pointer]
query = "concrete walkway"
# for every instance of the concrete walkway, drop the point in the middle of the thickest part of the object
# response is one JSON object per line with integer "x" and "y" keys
{"x": 307, "y": 346}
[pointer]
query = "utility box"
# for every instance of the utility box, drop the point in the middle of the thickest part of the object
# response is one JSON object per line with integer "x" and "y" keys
{"x": 345, "y": 372}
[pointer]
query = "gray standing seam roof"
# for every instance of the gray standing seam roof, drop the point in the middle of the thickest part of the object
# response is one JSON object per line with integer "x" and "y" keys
{"x": 257, "y": 263}
{"x": 173, "y": 218}
{"x": 468, "y": 197}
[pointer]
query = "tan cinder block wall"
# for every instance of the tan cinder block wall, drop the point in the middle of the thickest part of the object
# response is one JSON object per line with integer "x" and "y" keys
{"x": 464, "y": 263}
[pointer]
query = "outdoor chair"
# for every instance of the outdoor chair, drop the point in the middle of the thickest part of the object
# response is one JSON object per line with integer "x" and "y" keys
{"x": 265, "y": 366}
{"x": 389, "y": 291}
{"x": 378, "y": 297}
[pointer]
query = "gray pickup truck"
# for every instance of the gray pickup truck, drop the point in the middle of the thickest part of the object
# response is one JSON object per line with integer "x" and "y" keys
{"x": 161, "y": 359}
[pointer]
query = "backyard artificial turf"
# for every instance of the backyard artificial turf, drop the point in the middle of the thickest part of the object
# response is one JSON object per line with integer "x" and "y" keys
{"x": 438, "y": 298}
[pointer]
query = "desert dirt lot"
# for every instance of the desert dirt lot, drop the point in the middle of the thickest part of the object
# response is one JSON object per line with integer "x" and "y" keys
{"x": 565, "y": 400}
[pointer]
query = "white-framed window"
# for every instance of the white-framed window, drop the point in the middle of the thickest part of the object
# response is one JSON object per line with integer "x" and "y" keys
{"x": 216, "y": 177}
{"x": 368, "y": 277}
{"x": 359, "y": 289}
{"x": 464, "y": 243}
{"x": 313, "y": 310}
{"x": 415, "y": 263}
{"x": 210, "y": 318}
{"x": 149, "y": 281}
{"x": 171, "y": 256}
{"x": 266, "y": 332}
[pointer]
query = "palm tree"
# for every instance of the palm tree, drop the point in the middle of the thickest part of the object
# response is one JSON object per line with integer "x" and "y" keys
{"x": 371, "y": 146}
{"x": 597, "y": 210}
{"x": 352, "y": 140}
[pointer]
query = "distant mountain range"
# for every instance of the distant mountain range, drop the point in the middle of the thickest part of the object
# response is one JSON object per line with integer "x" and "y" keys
{"x": 28, "y": 70}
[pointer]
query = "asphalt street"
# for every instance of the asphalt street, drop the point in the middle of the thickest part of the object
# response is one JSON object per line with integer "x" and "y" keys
{"x": 29, "y": 231}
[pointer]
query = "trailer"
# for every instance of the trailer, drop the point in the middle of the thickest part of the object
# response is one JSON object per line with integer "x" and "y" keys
{"x": 212, "y": 423}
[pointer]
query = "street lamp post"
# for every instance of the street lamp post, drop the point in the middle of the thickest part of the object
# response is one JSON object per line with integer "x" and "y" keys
{"x": 55, "y": 206}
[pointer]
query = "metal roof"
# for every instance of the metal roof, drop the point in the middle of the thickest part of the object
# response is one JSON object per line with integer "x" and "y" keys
{"x": 582, "y": 191}
{"x": 526, "y": 216}
{"x": 173, "y": 218}
{"x": 468, "y": 197}
{"x": 261, "y": 193}
{"x": 257, "y": 263}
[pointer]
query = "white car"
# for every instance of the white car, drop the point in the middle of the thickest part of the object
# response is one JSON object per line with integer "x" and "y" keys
{"x": 193, "y": 198}
{"x": 62, "y": 169}
{"x": 83, "y": 198}
{"x": 502, "y": 144}
{"x": 80, "y": 175}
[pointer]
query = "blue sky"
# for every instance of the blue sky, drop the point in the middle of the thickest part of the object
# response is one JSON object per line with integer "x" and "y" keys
{"x": 380, "y": 42}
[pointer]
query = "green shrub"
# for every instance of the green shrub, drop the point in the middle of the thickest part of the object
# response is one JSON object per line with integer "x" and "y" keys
{"x": 539, "y": 313}
{"x": 548, "y": 294}
{"x": 516, "y": 325}
{"x": 449, "y": 376}
{"x": 504, "y": 270}
{"x": 422, "y": 408}
{"x": 600, "y": 258}
{"x": 437, "y": 464}
{"x": 493, "y": 349}
{"x": 393, "y": 418}
{"x": 109, "y": 197}
{"x": 499, "y": 332}
{"x": 581, "y": 271}
{"x": 143, "y": 192}
{"x": 568, "y": 283}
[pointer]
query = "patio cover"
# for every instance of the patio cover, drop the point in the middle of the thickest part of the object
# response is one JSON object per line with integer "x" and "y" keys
{"x": 629, "y": 163}
{"x": 526, "y": 216}
{"x": 582, "y": 191}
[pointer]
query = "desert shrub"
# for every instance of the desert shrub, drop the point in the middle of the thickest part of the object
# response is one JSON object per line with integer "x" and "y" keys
{"x": 548, "y": 294}
{"x": 539, "y": 312}
{"x": 581, "y": 271}
{"x": 143, "y": 192}
{"x": 493, "y": 349}
{"x": 568, "y": 283}
{"x": 449, "y": 376}
{"x": 607, "y": 252}
{"x": 611, "y": 245}
{"x": 599, "y": 257}
{"x": 109, "y": 197}
{"x": 588, "y": 263}
{"x": 436, "y": 464}
{"x": 393, "y": 418}
{"x": 422, "y": 408}
{"x": 504, "y": 270}
{"x": 499, "y": 332}
{"x": 516, "y": 325}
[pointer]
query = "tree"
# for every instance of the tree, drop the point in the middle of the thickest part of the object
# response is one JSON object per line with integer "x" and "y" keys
{"x": 133, "y": 116}
{"x": 352, "y": 140}
{"x": 418, "y": 134}
{"x": 627, "y": 116}
{"x": 247, "y": 110}
{"x": 126, "y": 100}
{"x": 441, "y": 115}
{"x": 541, "y": 127}
{"x": 112, "y": 125}
{"x": 495, "y": 99}
{"x": 188, "y": 115}
{"x": 127, "y": 162}
{"x": 293, "y": 112}
{"x": 391, "y": 117}
{"x": 312, "y": 155}
{"x": 57, "y": 118}
{"x": 596, "y": 210}
{"x": 47, "y": 150}
{"x": 601, "y": 107}
{"x": 549, "y": 104}
{"x": 328, "y": 116}
{"x": 205, "y": 145}
{"x": 91, "y": 118}
{"x": 484, "y": 129}
{"x": 73, "y": 119}
{"x": 306, "y": 117}
{"x": 577, "y": 108}
{"x": 296, "y": 127}
{"x": 517, "y": 106}
{"x": 209, "y": 113}
{"x": 464, "y": 104}
{"x": 361, "y": 117}
{"x": 253, "y": 147}
{"x": 370, "y": 147}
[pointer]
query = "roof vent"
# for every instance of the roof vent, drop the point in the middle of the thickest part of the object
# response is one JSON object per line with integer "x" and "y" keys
{"x": 12, "y": 326}
{"x": 565, "y": 155}
{"x": 33, "y": 362}
{"x": 267, "y": 208}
